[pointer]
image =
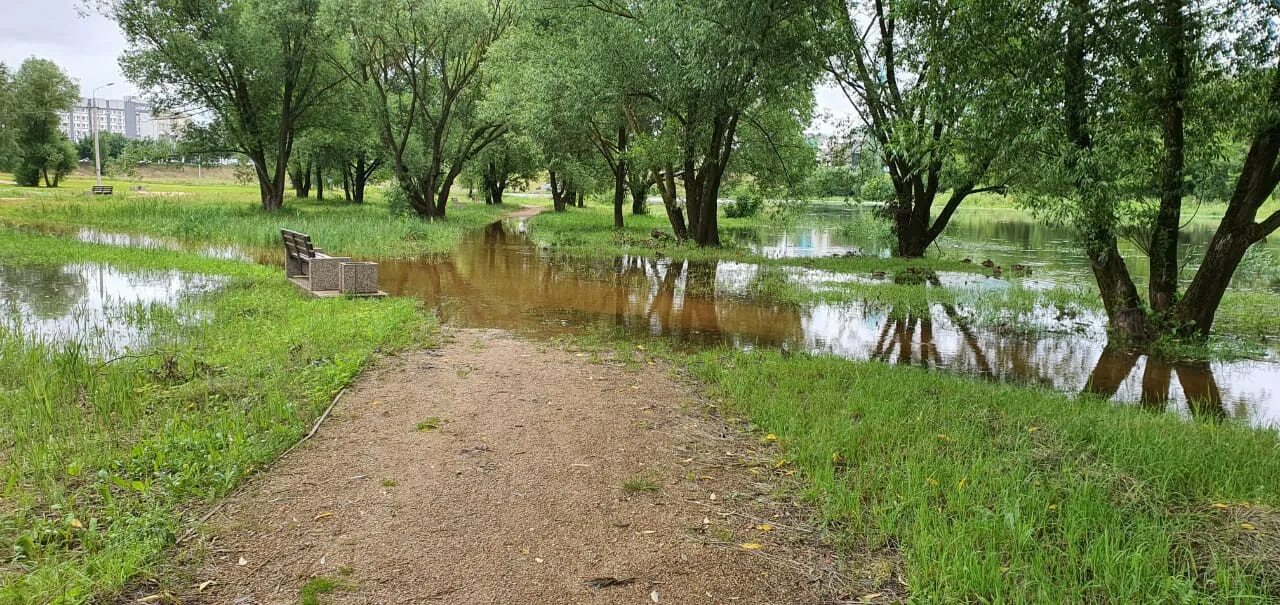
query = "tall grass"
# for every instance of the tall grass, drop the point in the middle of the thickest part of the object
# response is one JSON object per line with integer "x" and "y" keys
{"x": 999, "y": 494}
{"x": 101, "y": 463}
{"x": 230, "y": 214}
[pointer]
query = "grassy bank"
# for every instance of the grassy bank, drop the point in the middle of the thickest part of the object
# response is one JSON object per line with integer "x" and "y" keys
{"x": 105, "y": 464}
{"x": 588, "y": 232}
{"x": 231, "y": 214}
{"x": 991, "y": 493}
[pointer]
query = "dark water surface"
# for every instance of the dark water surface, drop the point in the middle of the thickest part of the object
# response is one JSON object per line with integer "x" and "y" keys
{"x": 500, "y": 279}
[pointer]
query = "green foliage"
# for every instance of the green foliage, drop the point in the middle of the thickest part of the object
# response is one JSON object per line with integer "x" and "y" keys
{"x": 833, "y": 182}
{"x": 259, "y": 65}
{"x": 997, "y": 493}
{"x": 111, "y": 144}
{"x": 8, "y": 134}
{"x": 39, "y": 93}
{"x": 420, "y": 68}
{"x": 746, "y": 203}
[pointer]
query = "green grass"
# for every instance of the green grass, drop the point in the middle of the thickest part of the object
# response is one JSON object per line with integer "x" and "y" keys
{"x": 103, "y": 465}
{"x": 644, "y": 483}
{"x": 231, "y": 214}
{"x": 588, "y": 232}
{"x": 314, "y": 588}
{"x": 994, "y": 493}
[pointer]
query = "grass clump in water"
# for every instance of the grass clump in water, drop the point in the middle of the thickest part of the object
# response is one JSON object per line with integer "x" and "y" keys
{"x": 995, "y": 493}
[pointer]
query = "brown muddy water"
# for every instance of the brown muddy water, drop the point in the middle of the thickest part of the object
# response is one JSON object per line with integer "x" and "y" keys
{"x": 500, "y": 279}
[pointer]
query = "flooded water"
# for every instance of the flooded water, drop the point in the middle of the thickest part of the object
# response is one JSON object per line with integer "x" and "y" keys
{"x": 499, "y": 279}
{"x": 103, "y": 308}
{"x": 1007, "y": 237}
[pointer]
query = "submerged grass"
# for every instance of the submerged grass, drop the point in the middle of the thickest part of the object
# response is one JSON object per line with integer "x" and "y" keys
{"x": 994, "y": 493}
{"x": 588, "y": 232}
{"x": 102, "y": 464}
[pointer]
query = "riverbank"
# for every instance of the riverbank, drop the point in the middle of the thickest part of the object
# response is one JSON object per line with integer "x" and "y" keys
{"x": 108, "y": 457}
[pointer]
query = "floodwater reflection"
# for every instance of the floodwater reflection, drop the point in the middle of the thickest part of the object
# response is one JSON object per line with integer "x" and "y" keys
{"x": 499, "y": 279}
{"x": 96, "y": 305}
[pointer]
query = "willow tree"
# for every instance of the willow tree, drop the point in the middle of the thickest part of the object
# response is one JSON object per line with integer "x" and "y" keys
{"x": 931, "y": 83}
{"x": 709, "y": 67}
{"x": 1140, "y": 106}
{"x": 422, "y": 67}
{"x": 258, "y": 66}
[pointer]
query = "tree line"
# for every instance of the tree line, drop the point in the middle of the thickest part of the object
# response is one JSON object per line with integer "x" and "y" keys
{"x": 1116, "y": 117}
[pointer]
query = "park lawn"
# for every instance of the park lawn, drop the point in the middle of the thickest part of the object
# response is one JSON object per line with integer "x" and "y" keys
{"x": 990, "y": 493}
{"x": 231, "y": 214}
{"x": 104, "y": 465}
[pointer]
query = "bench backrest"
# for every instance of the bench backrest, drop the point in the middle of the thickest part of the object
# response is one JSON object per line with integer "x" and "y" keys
{"x": 101, "y": 189}
{"x": 297, "y": 245}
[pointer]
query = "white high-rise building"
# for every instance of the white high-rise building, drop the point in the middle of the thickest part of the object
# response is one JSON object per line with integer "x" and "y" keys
{"x": 130, "y": 117}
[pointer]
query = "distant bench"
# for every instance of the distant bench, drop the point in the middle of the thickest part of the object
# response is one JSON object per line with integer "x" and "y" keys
{"x": 101, "y": 190}
{"x": 323, "y": 275}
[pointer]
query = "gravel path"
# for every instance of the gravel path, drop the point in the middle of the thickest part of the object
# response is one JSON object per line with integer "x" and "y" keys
{"x": 493, "y": 471}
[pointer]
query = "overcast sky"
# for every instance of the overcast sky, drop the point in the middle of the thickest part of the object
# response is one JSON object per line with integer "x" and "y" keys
{"x": 88, "y": 46}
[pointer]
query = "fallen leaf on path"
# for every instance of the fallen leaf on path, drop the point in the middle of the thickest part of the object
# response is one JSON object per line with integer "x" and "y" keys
{"x": 607, "y": 582}
{"x": 751, "y": 546}
{"x": 867, "y": 598}
{"x": 764, "y": 527}
{"x": 243, "y": 561}
{"x": 76, "y": 523}
{"x": 770, "y": 437}
{"x": 203, "y": 585}
{"x": 653, "y": 596}
{"x": 1248, "y": 526}
{"x": 322, "y": 516}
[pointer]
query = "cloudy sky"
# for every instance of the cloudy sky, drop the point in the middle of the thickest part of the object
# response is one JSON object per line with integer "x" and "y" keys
{"x": 87, "y": 45}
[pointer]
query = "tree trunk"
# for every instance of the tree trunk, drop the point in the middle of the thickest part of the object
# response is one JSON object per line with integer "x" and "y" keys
{"x": 295, "y": 177}
{"x": 361, "y": 178}
{"x": 639, "y": 184}
{"x": 558, "y": 201}
{"x": 270, "y": 187}
{"x": 666, "y": 182}
{"x": 319, "y": 182}
{"x": 1163, "y": 288}
{"x": 346, "y": 182}
{"x": 620, "y": 179}
{"x": 1237, "y": 231}
{"x": 1115, "y": 284}
{"x": 580, "y": 199}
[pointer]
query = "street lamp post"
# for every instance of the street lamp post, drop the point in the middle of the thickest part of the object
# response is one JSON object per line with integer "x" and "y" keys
{"x": 93, "y": 122}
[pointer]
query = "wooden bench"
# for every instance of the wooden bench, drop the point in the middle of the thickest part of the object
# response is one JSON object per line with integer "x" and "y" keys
{"x": 314, "y": 271}
{"x": 101, "y": 190}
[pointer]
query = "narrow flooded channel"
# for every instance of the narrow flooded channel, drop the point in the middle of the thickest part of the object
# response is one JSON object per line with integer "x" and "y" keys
{"x": 500, "y": 279}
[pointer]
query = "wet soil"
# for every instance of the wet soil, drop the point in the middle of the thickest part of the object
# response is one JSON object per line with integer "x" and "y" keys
{"x": 495, "y": 470}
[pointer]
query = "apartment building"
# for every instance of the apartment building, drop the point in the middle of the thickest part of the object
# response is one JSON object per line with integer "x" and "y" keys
{"x": 131, "y": 117}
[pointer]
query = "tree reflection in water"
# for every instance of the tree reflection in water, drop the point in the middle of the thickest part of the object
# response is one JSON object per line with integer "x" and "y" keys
{"x": 499, "y": 279}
